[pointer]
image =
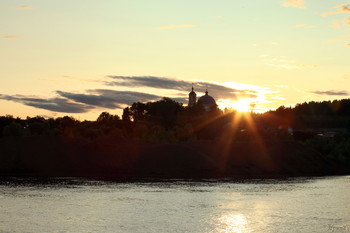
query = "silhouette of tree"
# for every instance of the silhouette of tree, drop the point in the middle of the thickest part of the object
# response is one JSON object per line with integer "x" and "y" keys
{"x": 37, "y": 126}
{"x": 67, "y": 126}
{"x": 126, "y": 114}
{"x": 138, "y": 111}
{"x": 106, "y": 117}
{"x": 164, "y": 112}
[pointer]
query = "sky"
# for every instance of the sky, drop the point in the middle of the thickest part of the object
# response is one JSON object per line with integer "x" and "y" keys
{"x": 82, "y": 57}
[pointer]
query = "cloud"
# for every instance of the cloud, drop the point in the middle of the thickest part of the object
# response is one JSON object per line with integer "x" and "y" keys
{"x": 92, "y": 100}
{"x": 286, "y": 64}
{"x": 129, "y": 97}
{"x": 11, "y": 37}
{"x": 70, "y": 102}
{"x": 331, "y": 92}
{"x": 336, "y": 24}
{"x": 177, "y": 26}
{"x": 149, "y": 81}
{"x": 295, "y": 3}
{"x": 24, "y": 7}
{"x": 218, "y": 91}
{"x": 80, "y": 79}
{"x": 305, "y": 26}
{"x": 340, "y": 39}
{"x": 341, "y": 9}
{"x": 53, "y": 104}
{"x": 109, "y": 98}
{"x": 347, "y": 21}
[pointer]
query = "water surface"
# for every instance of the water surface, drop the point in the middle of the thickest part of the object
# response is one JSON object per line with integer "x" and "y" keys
{"x": 75, "y": 205}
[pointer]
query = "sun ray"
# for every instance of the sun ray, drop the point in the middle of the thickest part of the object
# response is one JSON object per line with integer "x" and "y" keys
{"x": 264, "y": 160}
{"x": 226, "y": 139}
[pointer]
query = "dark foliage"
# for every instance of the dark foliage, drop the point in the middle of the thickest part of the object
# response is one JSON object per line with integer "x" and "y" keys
{"x": 313, "y": 130}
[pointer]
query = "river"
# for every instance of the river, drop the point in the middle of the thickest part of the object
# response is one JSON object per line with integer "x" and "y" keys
{"x": 78, "y": 205}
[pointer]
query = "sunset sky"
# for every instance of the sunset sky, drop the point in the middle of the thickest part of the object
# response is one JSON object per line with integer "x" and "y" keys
{"x": 82, "y": 57}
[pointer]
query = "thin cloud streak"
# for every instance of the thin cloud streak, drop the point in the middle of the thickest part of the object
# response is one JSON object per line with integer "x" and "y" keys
{"x": 331, "y": 92}
{"x": 24, "y": 7}
{"x": 347, "y": 21}
{"x": 52, "y": 104}
{"x": 287, "y": 64}
{"x": 177, "y": 26}
{"x": 149, "y": 81}
{"x": 336, "y": 24}
{"x": 80, "y": 79}
{"x": 216, "y": 90}
{"x": 68, "y": 102}
{"x": 341, "y": 9}
{"x": 305, "y": 26}
{"x": 11, "y": 37}
{"x": 341, "y": 39}
{"x": 295, "y": 3}
{"x": 126, "y": 97}
{"x": 93, "y": 100}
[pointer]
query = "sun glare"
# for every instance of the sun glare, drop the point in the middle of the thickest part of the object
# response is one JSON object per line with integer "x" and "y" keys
{"x": 243, "y": 105}
{"x": 240, "y": 105}
{"x": 249, "y": 98}
{"x": 233, "y": 223}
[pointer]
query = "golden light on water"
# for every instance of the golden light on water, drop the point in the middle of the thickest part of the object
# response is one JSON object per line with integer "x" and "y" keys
{"x": 233, "y": 223}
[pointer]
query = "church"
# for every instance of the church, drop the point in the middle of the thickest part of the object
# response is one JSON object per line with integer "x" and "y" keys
{"x": 207, "y": 101}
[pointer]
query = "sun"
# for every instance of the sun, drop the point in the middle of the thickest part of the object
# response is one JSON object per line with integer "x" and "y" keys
{"x": 240, "y": 105}
{"x": 243, "y": 105}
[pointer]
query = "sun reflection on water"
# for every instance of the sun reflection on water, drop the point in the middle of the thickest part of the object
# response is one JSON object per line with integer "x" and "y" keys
{"x": 236, "y": 223}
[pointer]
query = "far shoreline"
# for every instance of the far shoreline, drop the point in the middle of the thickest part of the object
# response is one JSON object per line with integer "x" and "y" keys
{"x": 31, "y": 178}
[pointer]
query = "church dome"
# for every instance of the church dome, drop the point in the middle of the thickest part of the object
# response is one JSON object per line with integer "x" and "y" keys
{"x": 207, "y": 101}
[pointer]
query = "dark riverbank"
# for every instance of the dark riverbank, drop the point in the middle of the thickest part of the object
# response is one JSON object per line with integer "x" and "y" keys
{"x": 124, "y": 160}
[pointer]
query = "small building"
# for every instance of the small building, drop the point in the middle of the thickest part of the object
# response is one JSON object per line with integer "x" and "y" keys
{"x": 206, "y": 101}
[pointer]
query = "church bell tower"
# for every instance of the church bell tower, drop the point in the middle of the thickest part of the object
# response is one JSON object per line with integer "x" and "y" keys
{"x": 192, "y": 98}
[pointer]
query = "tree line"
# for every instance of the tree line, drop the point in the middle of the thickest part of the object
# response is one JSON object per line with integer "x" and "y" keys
{"x": 163, "y": 120}
{"x": 168, "y": 120}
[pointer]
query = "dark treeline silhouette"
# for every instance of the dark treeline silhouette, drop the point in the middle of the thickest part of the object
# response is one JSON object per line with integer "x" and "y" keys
{"x": 164, "y": 120}
{"x": 165, "y": 139}
{"x": 325, "y": 114}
